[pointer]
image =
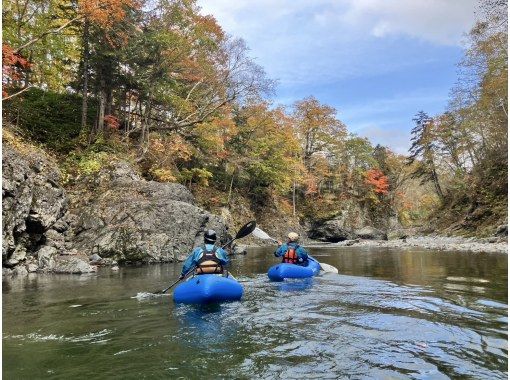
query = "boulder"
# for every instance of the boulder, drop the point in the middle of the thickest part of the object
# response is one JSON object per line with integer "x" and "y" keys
{"x": 72, "y": 264}
{"x": 370, "y": 233}
{"x": 46, "y": 257}
{"x": 20, "y": 270}
{"x": 502, "y": 231}
{"x": 333, "y": 230}
{"x": 239, "y": 250}
{"x": 132, "y": 220}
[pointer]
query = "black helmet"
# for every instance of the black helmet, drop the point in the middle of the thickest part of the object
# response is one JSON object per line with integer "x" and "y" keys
{"x": 210, "y": 236}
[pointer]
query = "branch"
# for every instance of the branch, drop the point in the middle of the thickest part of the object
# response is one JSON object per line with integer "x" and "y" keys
{"x": 54, "y": 31}
{"x": 17, "y": 93}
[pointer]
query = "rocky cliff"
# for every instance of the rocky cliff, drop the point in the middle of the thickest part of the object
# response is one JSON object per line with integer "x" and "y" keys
{"x": 35, "y": 226}
{"x": 113, "y": 216}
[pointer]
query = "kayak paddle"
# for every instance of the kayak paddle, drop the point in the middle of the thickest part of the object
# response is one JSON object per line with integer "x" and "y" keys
{"x": 243, "y": 231}
{"x": 257, "y": 232}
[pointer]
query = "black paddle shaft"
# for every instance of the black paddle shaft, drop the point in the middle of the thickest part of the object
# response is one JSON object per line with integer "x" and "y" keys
{"x": 243, "y": 231}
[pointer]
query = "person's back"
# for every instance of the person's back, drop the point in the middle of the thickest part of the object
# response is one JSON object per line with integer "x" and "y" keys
{"x": 291, "y": 252}
{"x": 206, "y": 259}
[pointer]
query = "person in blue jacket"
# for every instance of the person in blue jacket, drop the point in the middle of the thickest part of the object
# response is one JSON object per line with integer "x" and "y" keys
{"x": 292, "y": 252}
{"x": 206, "y": 259}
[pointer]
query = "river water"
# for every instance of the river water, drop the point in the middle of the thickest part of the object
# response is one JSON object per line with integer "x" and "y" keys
{"x": 389, "y": 314}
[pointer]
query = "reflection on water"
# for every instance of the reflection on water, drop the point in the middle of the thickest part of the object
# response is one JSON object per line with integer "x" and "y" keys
{"x": 388, "y": 314}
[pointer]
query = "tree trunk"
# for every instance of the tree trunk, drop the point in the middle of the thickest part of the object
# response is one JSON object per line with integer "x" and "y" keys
{"x": 435, "y": 179}
{"x": 294, "y": 198}
{"x": 84, "y": 104}
{"x": 230, "y": 188}
{"x": 102, "y": 105}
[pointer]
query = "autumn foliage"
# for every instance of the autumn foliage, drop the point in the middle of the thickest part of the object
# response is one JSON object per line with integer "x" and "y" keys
{"x": 13, "y": 64}
{"x": 378, "y": 181}
{"x": 192, "y": 105}
{"x": 106, "y": 13}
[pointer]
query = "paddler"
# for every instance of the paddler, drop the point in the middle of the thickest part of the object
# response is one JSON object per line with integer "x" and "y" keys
{"x": 206, "y": 259}
{"x": 292, "y": 252}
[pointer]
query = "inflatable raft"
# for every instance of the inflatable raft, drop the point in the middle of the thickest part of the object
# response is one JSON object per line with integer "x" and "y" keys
{"x": 208, "y": 288}
{"x": 280, "y": 272}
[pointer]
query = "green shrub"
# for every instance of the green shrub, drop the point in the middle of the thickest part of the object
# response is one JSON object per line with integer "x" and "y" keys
{"x": 48, "y": 117}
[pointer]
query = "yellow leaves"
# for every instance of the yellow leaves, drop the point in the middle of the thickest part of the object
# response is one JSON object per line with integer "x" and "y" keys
{"x": 198, "y": 175}
{"x": 162, "y": 175}
{"x": 215, "y": 134}
{"x": 172, "y": 147}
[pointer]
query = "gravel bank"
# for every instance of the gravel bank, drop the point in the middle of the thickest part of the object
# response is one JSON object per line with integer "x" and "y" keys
{"x": 439, "y": 243}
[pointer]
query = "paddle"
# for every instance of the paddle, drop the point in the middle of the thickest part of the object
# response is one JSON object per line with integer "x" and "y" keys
{"x": 257, "y": 232}
{"x": 243, "y": 231}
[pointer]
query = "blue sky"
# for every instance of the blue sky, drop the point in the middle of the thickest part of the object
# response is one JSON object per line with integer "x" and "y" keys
{"x": 378, "y": 62}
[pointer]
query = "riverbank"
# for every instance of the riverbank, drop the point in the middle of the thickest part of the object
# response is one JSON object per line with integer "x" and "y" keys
{"x": 433, "y": 242}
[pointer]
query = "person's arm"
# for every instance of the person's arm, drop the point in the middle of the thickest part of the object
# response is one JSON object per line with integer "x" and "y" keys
{"x": 189, "y": 263}
{"x": 302, "y": 253}
{"x": 222, "y": 255}
{"x": 281, "y": 250}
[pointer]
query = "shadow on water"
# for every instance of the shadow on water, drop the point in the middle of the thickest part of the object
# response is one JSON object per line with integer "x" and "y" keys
{"x": 298, "y": 285}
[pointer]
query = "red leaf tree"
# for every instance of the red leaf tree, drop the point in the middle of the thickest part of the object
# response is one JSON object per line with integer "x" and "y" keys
{"x": 378, "y": 181}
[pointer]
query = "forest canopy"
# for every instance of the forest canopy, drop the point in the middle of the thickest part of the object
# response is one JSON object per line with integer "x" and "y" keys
{"x": 165, "y": 84}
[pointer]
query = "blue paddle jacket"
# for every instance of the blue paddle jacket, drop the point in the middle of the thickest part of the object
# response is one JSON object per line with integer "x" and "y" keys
{"x": 194, "y": 257}
{"x": 301, "y": 252}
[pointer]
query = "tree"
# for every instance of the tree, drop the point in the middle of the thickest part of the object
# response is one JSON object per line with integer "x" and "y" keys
{"x": 318, "y": 129}
{"x": 423, "y": 149}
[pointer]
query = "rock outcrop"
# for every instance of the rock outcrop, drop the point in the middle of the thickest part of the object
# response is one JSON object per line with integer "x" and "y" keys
{"x": 333, "y": 230}
{"x": 338, "y": 229}
{"x": 34, "y": 211}
{"x": 128, "y": 218}
{"x": 114, "y": 216}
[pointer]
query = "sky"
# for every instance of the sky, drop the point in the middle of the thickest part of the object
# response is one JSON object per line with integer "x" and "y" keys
{"x": 378, "y": 62}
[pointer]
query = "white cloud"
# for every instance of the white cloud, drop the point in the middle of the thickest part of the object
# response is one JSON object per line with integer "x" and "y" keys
{"x": 325, "y": 40}
{"x": 436, "y": 21}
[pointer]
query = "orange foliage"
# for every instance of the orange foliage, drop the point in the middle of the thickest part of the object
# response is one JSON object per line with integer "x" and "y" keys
{"x": 378, "y": 180}
{"x": 310, "y": 182}
{"x": 106, "y": 13}
{"x": 12, "y": 66}
{"x": 112, "y": 122}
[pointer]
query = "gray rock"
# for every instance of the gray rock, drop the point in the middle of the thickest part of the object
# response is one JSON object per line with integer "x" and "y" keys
{"x": 32, "y": 267}
{"x": 371, "y": 233}
{"x": 33, "y": 201}
{"x": 46, "y": 257}
{"x": 19, "y": 254}
{"x": 502, "y": 230}
{"x": 132, "y": 220}
{"x": 7, "y": 272}
{"x": 54, "y": 238}
{"x": 95, "y": 258}
{"x": 60, "y": 225}
{"x": 20, "y": 270}
{"x": 72, "y": 264}
{"x": 239, "y": 250}
{"x": 332, "y": 230}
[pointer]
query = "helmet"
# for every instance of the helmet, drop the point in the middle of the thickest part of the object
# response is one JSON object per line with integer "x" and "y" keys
{"x": 210, "y": 236}
{"x": 293, "y": 236}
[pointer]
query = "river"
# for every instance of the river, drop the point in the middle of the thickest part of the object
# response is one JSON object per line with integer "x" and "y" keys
{"x": 392, "y": 314}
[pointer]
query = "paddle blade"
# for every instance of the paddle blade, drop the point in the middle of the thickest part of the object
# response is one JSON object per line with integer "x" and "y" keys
{"x": 257, "y": 232}
{"x": 246, "y": 229}
{"x": 328, "y": 268}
